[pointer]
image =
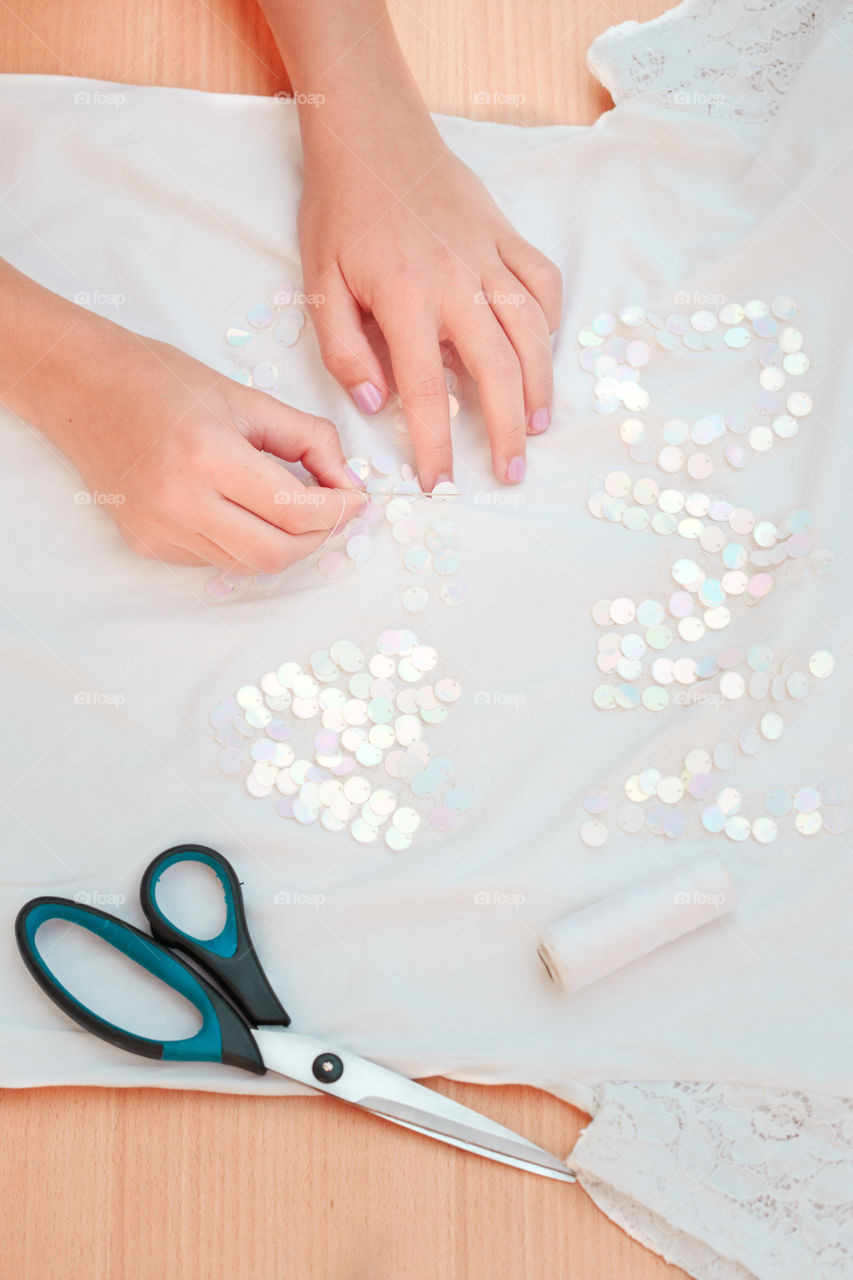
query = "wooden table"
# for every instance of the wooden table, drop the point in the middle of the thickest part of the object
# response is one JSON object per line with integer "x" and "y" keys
{"x": 108, "y": 1184}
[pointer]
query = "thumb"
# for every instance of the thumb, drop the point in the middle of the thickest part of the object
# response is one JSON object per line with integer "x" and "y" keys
{"x": 346, "y": 352}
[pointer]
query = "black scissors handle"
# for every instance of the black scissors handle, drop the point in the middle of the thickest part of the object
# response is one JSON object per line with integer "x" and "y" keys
{"x": 229, "y": 957}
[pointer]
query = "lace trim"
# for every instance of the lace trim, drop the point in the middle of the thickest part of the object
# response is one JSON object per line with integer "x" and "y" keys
{"x": 729, "y": 61}
{"x": 729, "y": 1182}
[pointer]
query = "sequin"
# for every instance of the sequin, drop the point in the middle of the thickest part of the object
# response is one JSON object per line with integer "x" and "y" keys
{"x": 732, "y": 685}
{"x": 713, "y": 820}
{"x": 738, "y": 828}
{"x": 836, "y": 821}
{"x": 737, "y": 337}
{"x": 265, "y": 376}
{"x": 799, "y": 404}
{"x": 764, "y": 830}
{"x": 415, "y": 599}
{"x": 397, "y": 841}
{"x": 362, "y": 831}
{"x": 796, "y": 364}
{"x": 772, "y": 726}
{"x": 808, "y": 824}
{"x": 654, "y": 698}
{"x": 833, "y": 790}
{"x": 670, "y": 790}
{"x": 797, "y": 685}
{"x": 237, "y": 337}
{"x": 360, "y": 547}
{"x": 821, "y": 664}
{"x": 594, "y": 833}
{"x": 729, "y": 801}
{"x": 446, "y": 561}
{"x": 260, "y": 316}
{"x": 622, "y": 610}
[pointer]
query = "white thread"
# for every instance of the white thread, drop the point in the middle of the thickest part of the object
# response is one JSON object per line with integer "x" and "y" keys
{"x": 611, "y": 933}
{"x": 334, "y": 529}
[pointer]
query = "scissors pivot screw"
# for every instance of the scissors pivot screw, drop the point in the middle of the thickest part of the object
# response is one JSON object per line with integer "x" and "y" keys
{"x": 327, "y": 1068}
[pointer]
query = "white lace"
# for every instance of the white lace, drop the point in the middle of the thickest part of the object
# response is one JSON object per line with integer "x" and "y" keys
{"x": 729, "y": 61}
{"x": 730, "y": 1182}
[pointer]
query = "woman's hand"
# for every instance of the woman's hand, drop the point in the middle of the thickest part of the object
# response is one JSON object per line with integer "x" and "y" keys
{"x": 175, "y": 452}
{"x": 394, "y": 225}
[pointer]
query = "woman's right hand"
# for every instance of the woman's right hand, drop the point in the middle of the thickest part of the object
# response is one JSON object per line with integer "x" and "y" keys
{"x": 172, "y": 450}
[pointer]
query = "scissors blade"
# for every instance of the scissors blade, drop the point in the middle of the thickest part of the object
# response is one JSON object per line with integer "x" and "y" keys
{"x": 394, "y": 1097}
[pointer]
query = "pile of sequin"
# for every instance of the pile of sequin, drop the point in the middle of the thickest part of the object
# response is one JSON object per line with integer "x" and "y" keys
{"x": 615, "y": 361}
{"x": 814, "y": 808}
{"x": 372, "y": 713}
{"x": 428, "y": 542}
{"x": 271, "y": 326}
{"x": 699, "y": 604}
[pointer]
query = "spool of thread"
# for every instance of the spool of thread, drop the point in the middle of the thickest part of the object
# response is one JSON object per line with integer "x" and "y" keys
{"x": 618, "y": 929}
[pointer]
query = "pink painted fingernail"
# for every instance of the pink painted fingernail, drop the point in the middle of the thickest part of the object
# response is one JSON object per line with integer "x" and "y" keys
{"x": 516, "y": 470}
{"x": 367, "y": 396}
{"x": 540, "y": 420}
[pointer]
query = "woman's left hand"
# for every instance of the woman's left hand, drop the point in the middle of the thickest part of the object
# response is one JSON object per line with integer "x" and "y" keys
{"x": 393, "y": 225}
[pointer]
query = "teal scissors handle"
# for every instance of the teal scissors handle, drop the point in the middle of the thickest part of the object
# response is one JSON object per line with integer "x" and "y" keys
{"x": 230, "y": 956}
{"x": 224, "y": 1035}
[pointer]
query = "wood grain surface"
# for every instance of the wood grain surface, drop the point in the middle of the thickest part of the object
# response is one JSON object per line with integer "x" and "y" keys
{"x": 108, "y": 1184}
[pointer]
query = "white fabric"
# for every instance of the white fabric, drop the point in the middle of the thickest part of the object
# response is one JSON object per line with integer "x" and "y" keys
{"x": 728, "y": 1182}
{"x": 184, "y": 204}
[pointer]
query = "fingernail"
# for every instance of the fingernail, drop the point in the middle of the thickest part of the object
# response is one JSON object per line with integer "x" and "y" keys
{"x": 367, "y": 397}
{"x": 443, "y": 478}
{"x": 356, "y": 479}
{"x": 516, "y": 469}
{"x": 540, "y": 420}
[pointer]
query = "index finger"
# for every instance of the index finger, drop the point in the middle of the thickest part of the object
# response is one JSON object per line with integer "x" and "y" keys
{"x": 265, "y": 488}
{"x": 419, "y": 374}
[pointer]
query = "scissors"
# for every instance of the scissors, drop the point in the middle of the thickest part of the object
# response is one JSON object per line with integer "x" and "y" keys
{"x": 243, "y": 1023}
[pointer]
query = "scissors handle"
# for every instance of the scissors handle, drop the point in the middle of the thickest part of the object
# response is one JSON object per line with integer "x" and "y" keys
{"x": 223, "y": 1037}
{"x": 230, "y": 957}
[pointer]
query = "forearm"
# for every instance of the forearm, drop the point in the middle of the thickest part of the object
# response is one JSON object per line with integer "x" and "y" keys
{"x": 347, "y": 70}
{"x": 46, "y": 346}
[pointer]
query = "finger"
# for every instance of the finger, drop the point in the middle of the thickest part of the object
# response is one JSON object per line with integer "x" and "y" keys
{"x": 539, "y": 275}
{"x": 419, "y": 374}
{"x": 523, "y": 321}
{"x": 346, "y": 352}
{"x": 198, "y": 549}
{"x": 250, "y": 479}
{"x": 257, "y": 544}
{"x": 295, "y": 436}
{"x": 489, "y": 357}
